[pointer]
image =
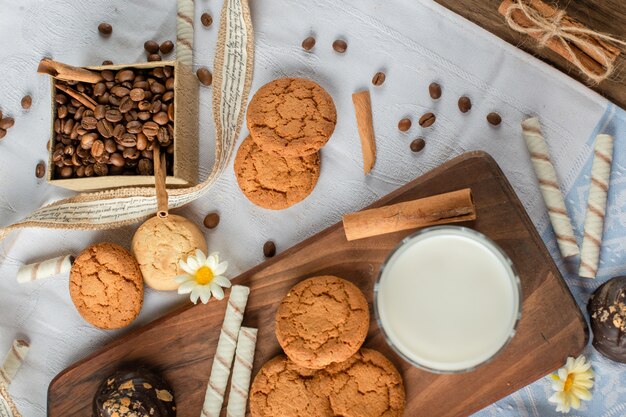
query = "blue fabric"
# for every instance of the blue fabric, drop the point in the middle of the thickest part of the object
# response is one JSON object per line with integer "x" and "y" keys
{"x": 609, "y": 391}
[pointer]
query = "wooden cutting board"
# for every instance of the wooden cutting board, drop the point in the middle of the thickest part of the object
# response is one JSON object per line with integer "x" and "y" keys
{"x": 182, "y": 343}
{"x": 606, "y": 16}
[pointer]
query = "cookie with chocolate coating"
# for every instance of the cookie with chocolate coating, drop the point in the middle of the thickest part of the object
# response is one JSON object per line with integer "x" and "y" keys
{"x": 607, "y": 310}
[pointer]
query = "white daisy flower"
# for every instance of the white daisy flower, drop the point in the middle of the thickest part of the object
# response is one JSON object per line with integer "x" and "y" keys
{"x": 204, "y": 277}
{"x": 572, "y": 383}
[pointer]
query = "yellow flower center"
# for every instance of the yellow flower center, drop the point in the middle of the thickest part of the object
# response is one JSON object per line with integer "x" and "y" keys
{"x": 569, "y": 381}
{"x": 204, "y": 275}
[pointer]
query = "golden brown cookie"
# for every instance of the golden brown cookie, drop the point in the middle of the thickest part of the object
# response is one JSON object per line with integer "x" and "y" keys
{"x": 291, "y": 117}
{"x": 366, "y": 385}
{"x": 322, "y": 320}
{"x": 159, "y": 244}
{"x": 106, "y": 286}
{"x": 274, "y": 182}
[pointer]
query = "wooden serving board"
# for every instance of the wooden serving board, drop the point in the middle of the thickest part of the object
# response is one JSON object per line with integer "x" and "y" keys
{"x": 182, "y": 343}
{"x": 606, "y": 16}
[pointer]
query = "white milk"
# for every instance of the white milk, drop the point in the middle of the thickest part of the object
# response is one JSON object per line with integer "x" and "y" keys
{"x": 448, "y": 299}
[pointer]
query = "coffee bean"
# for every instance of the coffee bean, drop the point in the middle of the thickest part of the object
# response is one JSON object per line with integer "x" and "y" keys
{"x": 74, "y": 134}
{"x": 211, "y": 220}
{"x": 89, "y": 123}
{"x": 120, "y": 91}
{"x": 107, "y": 62}
{"x": 118, "y": 131}
{"x": 157, "y": 88}
{"x": 80, "y": 171}
{"x": 128, "y": 140}
{"x": 117, "y": 159}
{"x": 161, "y": 118}
{"x": 126, "y": 105}
{"x": 169, "y": 84}
{"x": 110, "y": 146}
{"x": 494, "y": 118}
{"x": 152, "y": 47}
{"x": 104, "y": 99}
{"x": 166, "y": 47}
{"x": 465, "y": 104}
{"x": 105, "y": 128}
{"x": 99, "y": 89}
{"x": 26, "y": 102}
{"x": 340, "y": 46}
{"x": 154, "y": 57}
{"x": 142, "y": 141}
{"x": 168, "y": 96}
{"x": 131, "y": 153}
{"x": 114, "y": 100}
{"x": 108, "y": 75}
{"x": 59, "y": 98}
{"x": 308, "y": 43}
{"x": 124, "y": 76}
{"x": 40, "y": 170}
{"x": 269, "y": 249}
{"x": 145, "y": 167}
{"x": 67, "y": 172}
{"x": 379, "y": 78}
{"x": 170, "y": 112}
{"x": 206, "y": 19}
{"x": 3, "y": 133}
{"x": 99, "y": 112}
{"x": 61, "y": 112}
{"x": 69, "y": 150}
{"x": 205, "y": 76}
{"x": 87, "y": 140}
{"x": 155, "y": 107}
{"x": 144, "y": 115}
{"x": 105, "y": 29}
{"x": 133, "y": 127}
{"x": 163, "y": 136}
{"x": 113, "y": 115}
{"x": 418, "y": 144}
{"x": 427, "y": 119}
{"x": 68, "y": 126}
{"x": 79, "y": 113}
{"x": 99, "y": 169}
{"x": 434, "y": 90}
{"x": 404, "y": 125}
{"x": 97, "y": 148}
{"x": 137, "y": 94}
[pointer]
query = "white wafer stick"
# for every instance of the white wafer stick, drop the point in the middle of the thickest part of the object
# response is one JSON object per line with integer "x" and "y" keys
{"x": 45, "y": 269}
{"x": 596, "y": 206}
{"x": 226, "y": 345}
{"x": 184, "y": 31}
{"x": 13, "y": 360}
{"x": 549, "y": 187}
{"x": 7, "y": 406}
{"x": 242, "y": 373}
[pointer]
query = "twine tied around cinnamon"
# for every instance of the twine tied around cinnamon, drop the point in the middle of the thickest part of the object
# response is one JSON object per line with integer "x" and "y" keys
{"x": 547, "y": 28}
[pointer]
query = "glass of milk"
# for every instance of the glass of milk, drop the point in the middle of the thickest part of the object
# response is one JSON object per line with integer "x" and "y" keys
{"x": 448, "y": 299}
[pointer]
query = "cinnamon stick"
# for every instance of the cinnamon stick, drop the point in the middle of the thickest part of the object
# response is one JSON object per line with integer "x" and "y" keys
{"x": 67, "y": 72}
{"x": 587, "y": 56}
{"x": 453, "y": 207}
{"x": 159, "y": 181}
{"x": 85, "y": 100}
{"x": 363, "y": 110}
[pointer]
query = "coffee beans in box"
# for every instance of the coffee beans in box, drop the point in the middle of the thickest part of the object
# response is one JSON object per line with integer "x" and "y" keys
{"x": 106, "y": 139}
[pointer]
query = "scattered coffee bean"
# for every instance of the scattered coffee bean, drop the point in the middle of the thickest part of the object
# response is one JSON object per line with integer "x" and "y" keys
{"x": 152, "y": 47}
{"x": 107, "y": 62}
{"x": 434, "y": 90}
{"x": 27, "y": 101}
{"x": 40, "y": 170}
{"x": 7, "y": 123}
{"x": 67, "y": 171}
{"x": 3, "y": 133}
{"x": 308, "y": 43}
{"x": 340, "y": 46}
{"x": 379, "y": 78}
{"x": 465, "y": 104}
{"x": 206, "y": 19}
{"x": 105, "y": 29}
{"x": 404, "y": 125}
{"x": 166, "y": 47}
{"x": 205, "y": 76}
{"x": 211, "y": 220}
{"x": 494, "y": 118}
{"x": 418, "y": 144}
{"x": 269, "y": 249}
{"x": 427, "y": 120}
{"x": 154, "y": 57}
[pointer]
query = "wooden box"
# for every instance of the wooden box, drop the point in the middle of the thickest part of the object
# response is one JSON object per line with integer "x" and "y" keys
{"x": 185, "y": 157}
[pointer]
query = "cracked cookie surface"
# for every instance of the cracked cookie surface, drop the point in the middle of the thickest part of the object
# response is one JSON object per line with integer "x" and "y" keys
{"x": 322, "y": 320}
{"x": 365, "y": 385}
{"x": 106, "y": 286}
{"x": 274, "y": 182}
{"x": 291, "y": 117}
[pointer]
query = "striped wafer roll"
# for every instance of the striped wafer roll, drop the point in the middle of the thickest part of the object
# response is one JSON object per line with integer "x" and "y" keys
{"x": 184, "y": 31}
{"x": 242, "y": 372}
{"x": 549, "y": 187}
{"x": 7, "y": 406}
{"x": 45, "y": 269}
{"x": 226, "y": 345}
{"x": 13, "y": 360}
{"x": 596, "y": 206}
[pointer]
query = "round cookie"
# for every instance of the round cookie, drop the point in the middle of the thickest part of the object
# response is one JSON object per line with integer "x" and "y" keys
{"x": 322, "y": 320}
{"x": 159, "y": 244}
{"x": 607, "y": 309}
{"x": 366, "y": 385}
{"x": 134, "y": 393}
{"x": 106, "y": 286}
{"x": 274, "y": 182}
{"x": 291, "y": 117}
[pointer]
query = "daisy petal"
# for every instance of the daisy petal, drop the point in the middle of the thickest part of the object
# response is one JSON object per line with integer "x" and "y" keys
{"x": 193, "y": 264}
{"x": 575, "y": 402}
{"x": 581, "y": 393}
{"x": 200, "y": 257}
{"x": 217, "y": 291}
{"x": 182, "y": 278}
{"x": 220, "y": 268}
{"x": 222, "y": 281}
{"x": 211, "y": 262}
{"x": 186, "y": 287}
{"x": 185, "y": 267}
{"x": 205, "y": 294}
{"x": 563, "y": 374}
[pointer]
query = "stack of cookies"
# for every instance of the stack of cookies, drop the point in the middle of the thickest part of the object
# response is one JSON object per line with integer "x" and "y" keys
{"x": 321, "y": 325}
{"x": 290, "y": 120}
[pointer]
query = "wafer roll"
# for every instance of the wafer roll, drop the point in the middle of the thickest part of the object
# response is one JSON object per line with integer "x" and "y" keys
{"x": 184, "y": 31}
{"x": 13, "y": 360}
{"x": 7, "y": 406}
{"x": 242, "y": 373}
{"x": 549, "y": 187}
{"x": 45, "y": 269}
{"x": 226, "y": 345}
{"x": 596, "y": 206}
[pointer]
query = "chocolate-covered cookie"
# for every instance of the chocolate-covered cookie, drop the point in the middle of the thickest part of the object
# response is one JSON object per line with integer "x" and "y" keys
{"x": 607, "y": 309}
{"x": 136, "y": 393}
